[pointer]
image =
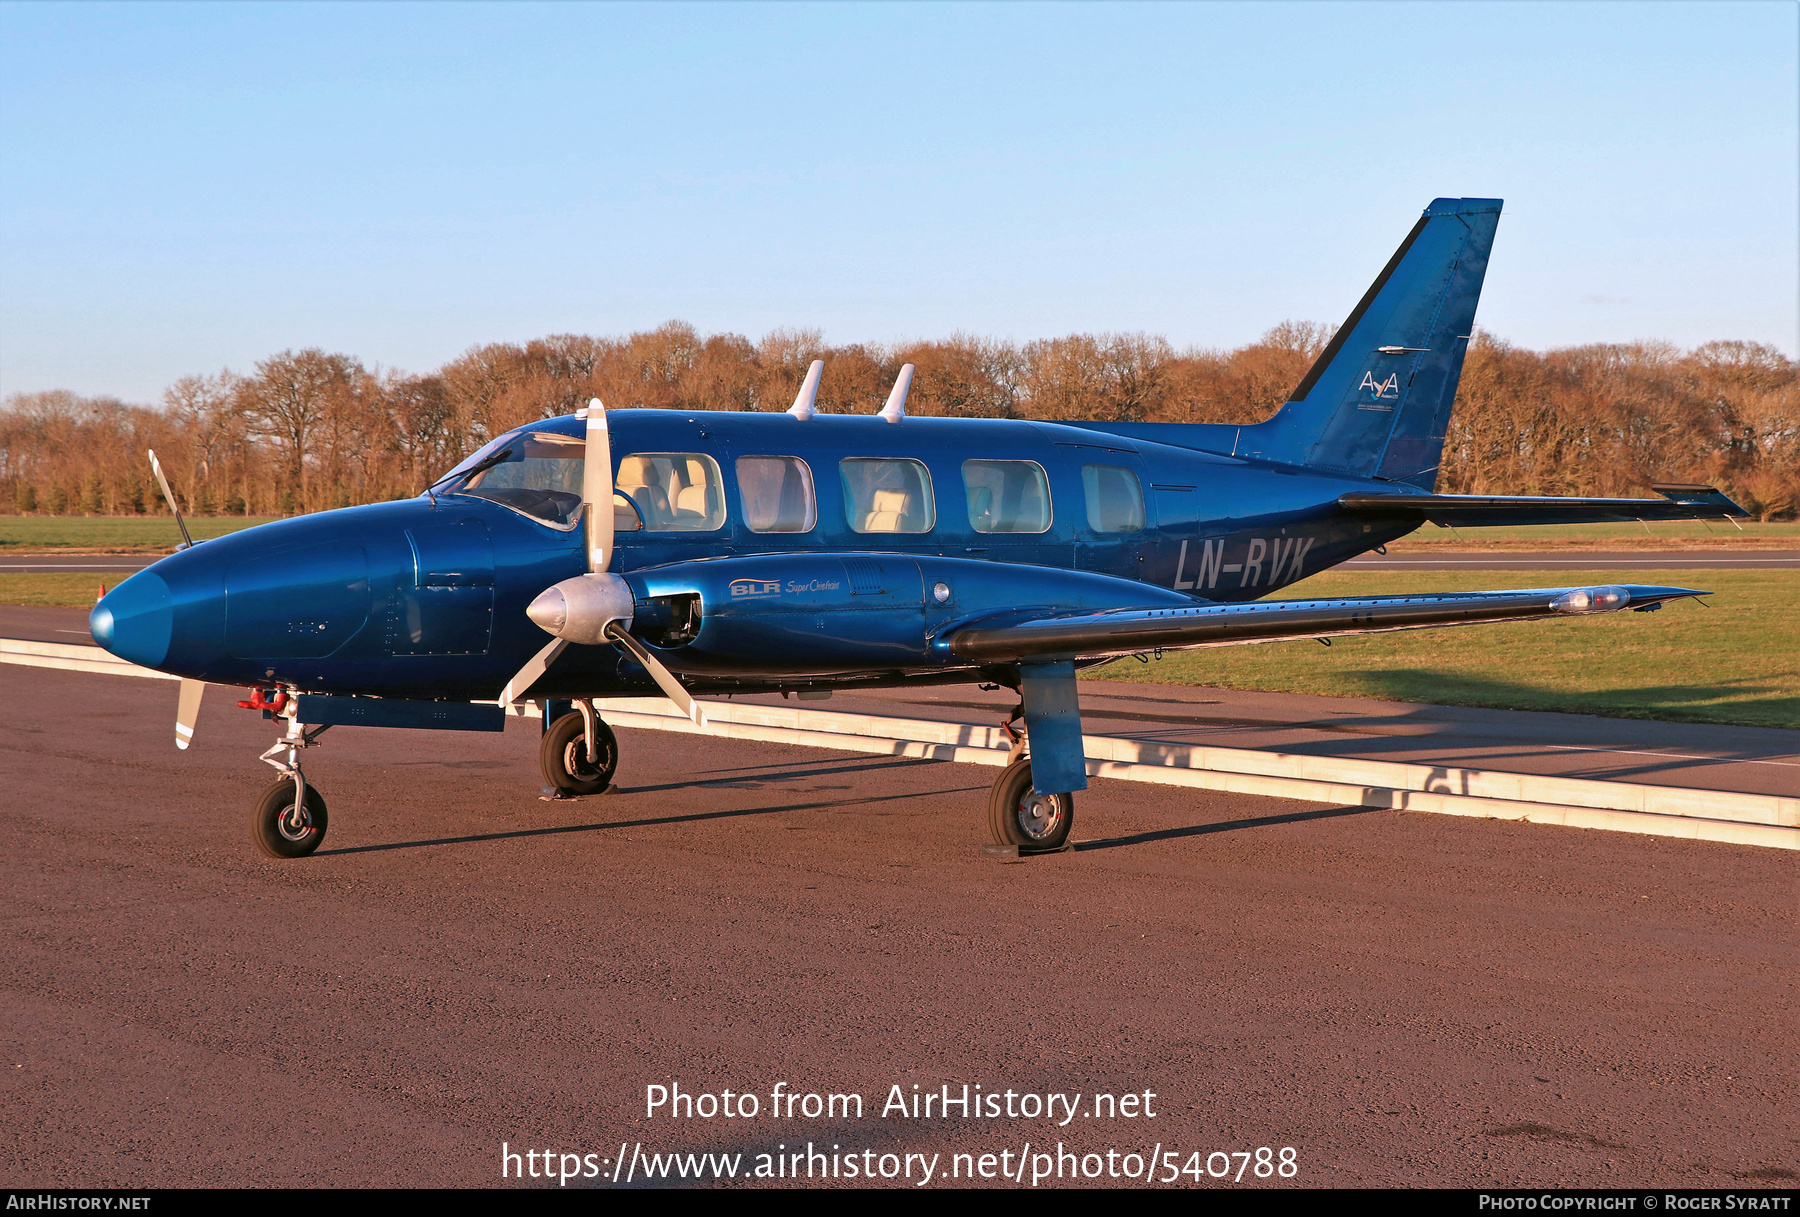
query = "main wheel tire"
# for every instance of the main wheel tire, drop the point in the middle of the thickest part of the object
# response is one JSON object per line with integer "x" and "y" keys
{"x": 562, "y": 756}
{"x": 281, "y": 830}
{"x": 1037, "y": 824}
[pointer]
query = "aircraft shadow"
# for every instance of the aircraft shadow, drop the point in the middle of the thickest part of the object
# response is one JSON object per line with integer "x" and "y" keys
{"x": 1406, "y": 684}
{"x": 648, "y": 822}
{"x": 1393, "y": 737}
{"x": 1201, "y": 830}
{"x": 746, "y": 778}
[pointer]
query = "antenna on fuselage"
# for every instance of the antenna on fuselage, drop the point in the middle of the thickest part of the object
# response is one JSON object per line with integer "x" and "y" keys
{"x": 895, "y": 410}
{"x": 809, "y": 390}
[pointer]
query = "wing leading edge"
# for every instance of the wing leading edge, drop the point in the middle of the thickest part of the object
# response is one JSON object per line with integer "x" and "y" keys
{"x": 1127, "y": 631}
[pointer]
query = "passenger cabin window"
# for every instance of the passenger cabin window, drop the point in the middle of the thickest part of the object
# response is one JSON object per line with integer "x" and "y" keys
{"x": 887, "y": 495}
{"x": 674, "y": 491}
{"x": 777, "y": 494}
{"x": 537, "y": 473}
{"x": 1007, "y": 496}
{"x": 1115, "y": 500}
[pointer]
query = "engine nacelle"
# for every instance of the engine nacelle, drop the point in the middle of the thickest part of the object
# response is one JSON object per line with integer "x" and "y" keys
{"x": 825, "y": 613}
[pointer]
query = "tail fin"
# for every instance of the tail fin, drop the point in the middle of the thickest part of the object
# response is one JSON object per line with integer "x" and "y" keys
{"x": 1378, "y": 400}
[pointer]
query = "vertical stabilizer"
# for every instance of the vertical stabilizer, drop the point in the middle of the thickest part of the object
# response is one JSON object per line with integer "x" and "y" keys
{"x": 1378, "y": 400}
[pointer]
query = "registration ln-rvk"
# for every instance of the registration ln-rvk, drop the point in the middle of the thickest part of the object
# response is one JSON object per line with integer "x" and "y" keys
{"x": 648, "y": 552}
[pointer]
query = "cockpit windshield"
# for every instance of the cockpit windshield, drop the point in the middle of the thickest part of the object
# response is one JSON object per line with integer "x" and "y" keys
{"x": 534, "y": 472}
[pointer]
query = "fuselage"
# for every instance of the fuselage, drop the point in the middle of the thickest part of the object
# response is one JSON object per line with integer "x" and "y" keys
{"x": 426, "y": 597}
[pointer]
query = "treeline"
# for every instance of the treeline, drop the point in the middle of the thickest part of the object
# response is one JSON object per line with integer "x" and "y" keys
{"x": 308, "y": 430}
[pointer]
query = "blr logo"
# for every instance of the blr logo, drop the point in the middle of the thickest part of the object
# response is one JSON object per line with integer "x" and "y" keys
{"x": 755, "y": 587}
{"x": 1385, "y": 388}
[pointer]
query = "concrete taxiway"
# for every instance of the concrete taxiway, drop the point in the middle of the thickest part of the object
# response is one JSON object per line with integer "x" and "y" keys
{"x": 1405, "y": 999}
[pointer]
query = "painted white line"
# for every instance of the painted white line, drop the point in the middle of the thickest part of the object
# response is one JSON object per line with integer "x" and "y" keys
{"x": 1679, "y": 756}
{"x": 987, "y": 745}
{"x": 71, "y": 658}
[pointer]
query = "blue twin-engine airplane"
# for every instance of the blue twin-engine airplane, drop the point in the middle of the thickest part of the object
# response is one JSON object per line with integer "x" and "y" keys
{"x": 653, "y": 550}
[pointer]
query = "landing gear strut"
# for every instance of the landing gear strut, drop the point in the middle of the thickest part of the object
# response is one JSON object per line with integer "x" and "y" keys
{"x": 579, "y": 753}
{"x": 290, "y": 818}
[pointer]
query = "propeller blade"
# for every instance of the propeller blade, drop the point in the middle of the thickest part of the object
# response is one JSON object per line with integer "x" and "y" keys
{"x": 597, "y": 489}
{"x": 809, "y": 389}
{"x": 895, "y": 410}
{"x": 169, "y": 498}
{"x": 187, "y": 709}
{"x": 664, "y": 678}
{"x": 534, "y": 668}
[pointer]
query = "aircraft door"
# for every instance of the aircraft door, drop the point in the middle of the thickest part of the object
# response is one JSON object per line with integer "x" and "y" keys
{"x": 1113, "y": 525}
{"x": 449, "y": 607}
{"x": 1177, "y": 524}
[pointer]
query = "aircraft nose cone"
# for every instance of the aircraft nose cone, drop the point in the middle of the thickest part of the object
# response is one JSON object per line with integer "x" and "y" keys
{"x": 135, "y": 620}
{"x": 549, "y": 611}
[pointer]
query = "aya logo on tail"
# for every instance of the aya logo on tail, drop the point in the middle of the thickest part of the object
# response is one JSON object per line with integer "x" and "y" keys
{"x": 1381, "y": 388}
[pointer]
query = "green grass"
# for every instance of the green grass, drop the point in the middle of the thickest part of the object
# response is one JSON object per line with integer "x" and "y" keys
{"x": 71, "y": 590}
{"x": 1721, "y": 534}
{"x": 142, "y": 534}
{"x": 1737, "y": 662}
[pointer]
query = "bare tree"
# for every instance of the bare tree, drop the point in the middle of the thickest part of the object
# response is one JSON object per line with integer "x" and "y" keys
{"x": 310, "y": 429}
{"x": 289, "y": 398}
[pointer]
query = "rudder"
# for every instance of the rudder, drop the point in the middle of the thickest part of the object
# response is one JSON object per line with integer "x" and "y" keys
{"x": 1377, "y": 401}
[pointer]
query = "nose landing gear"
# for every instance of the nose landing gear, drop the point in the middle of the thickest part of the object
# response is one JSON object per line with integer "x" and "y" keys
{"x": 290, "y": 818}
{"x": 286, "y": 827}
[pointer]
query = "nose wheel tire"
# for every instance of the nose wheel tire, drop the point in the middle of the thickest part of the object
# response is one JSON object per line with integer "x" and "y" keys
{"x": 562, "y": 756}
{"x": 1037, "y": 824}
{"x": 283, "y": 830}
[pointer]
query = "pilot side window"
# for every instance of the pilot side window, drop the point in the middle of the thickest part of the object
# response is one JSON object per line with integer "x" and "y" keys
{"x": 534, "y": 472}
{"x": 1115, "y": 500}
{"x": 777, "y": 494}
{"x": 1007, "y": 496}
{"x": 674, "y": 491}
{"x": 887, "y": 495}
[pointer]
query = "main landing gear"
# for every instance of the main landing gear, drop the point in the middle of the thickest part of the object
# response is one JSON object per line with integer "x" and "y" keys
{"x": 1018, "y": 816}
{"x": 579, "y": 752}
{"x": 1034, "y": 823}
{"x": 290, "y": 818}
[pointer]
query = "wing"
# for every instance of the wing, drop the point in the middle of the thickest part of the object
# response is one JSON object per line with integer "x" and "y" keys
{"x": 1680, "y": 501}
{"x": 1126, "y": 631}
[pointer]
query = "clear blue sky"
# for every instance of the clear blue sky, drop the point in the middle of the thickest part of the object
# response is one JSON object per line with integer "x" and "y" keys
{"x": 188, "y": 187}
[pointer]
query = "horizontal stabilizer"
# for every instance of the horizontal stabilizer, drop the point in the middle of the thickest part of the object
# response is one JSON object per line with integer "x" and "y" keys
{"x": 1127, "y": 631}
{"x": 1680, "y": 501}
